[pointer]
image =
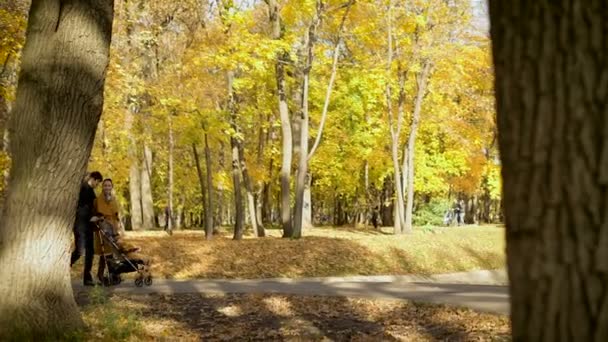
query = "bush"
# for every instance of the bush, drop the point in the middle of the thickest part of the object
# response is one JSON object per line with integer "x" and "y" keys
{"x": 431, "y": 214}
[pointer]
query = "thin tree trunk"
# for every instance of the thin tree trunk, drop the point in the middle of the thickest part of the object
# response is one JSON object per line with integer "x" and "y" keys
{"x": 135, "y": 195}
{"x": 238, "y": 198}
{"x": 404, "y": 172}
{"x": 307, "y": 209}
{"x": 395, "y": 133}
{"x": 220, "y": 193}
{"x": 287, "y": 154}
{"x": 421, "y": 81}
{"x": 179, "y": 218}
{"x": 236, "y": 164}
{"x": 305, "y": 156}
{"x": 262, "y": 141}
{"x": 147, "y": 202}
{"x": 332, "y": 78}
{"x": 209, "y": 199}
{"x": 303, "y": 163}
{"x": 258, "y": 229}
{"x": 551, "y": 95}
{"x": 287, "y": 140}
{"x": 395, "y": 128}
{"x": 57, "y": 108}
{"x": 201, "y": 178}
{"x": 170, "y": 180}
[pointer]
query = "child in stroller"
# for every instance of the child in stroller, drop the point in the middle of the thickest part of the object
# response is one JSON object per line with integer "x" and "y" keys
{"x": 124, "y": 259}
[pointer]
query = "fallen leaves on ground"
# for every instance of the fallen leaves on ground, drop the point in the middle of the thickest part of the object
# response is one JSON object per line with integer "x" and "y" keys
{"x": 194, "y": 317}
{"x": 321, "y": 252}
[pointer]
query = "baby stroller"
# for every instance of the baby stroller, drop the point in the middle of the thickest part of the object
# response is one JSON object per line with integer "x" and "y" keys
{"x": 120, "y": 262}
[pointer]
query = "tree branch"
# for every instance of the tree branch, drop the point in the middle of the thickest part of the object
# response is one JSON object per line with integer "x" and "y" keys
{"x": 331, "y": 81}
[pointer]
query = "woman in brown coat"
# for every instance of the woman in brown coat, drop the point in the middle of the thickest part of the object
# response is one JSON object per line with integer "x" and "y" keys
{"x": 106, "y": 207}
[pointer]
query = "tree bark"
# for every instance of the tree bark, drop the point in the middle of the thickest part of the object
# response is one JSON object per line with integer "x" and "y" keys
{"x": 201, "y": 178}
{"x": 58, "y": 105}
{"x": 209, "y": 198}
{"x": 304, "y": 116}
{"x": 387, "y": 205}
{"x": 147, "y": 202}
{"x": 395, "y": 127}
{"x": 135, "y": 196}
{"x": 287, "y": 139}
{"x": 399, "y": 227}
{"x": 551, "y": 66}
{"x": 239, "y": 218}
{"x": 421, "y": 81}
{"x": 258, "y": 229}
{"x": 169, "y": 212}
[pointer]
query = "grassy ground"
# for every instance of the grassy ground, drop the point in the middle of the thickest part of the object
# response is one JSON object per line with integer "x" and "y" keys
{"x": 322, "y": 252}
{"x": 191, "y": 317}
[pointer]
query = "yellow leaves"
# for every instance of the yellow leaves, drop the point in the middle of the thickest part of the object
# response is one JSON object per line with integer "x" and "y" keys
{"x": 12, "y": 26}
{"x": 5, "y": 165}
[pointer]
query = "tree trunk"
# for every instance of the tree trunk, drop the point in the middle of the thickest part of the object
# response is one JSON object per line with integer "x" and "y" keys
{"x": 550, "y": 64}
{"x": 303, "y": 119}
{"x": 395, "y": 127}
{"x": 399, "y": 208}
{"x": 421, "y": 81}
{"x": 267, "y": 217}
{"x": 170, "y": 219}
{"x": 239, "y": 218}
{"x": 238, "y": 198}
{"x": 287, "y": 140}
{"x": 368, "y": 202}
{"x": 147, "y": 203}
{"x": 135, "y": 196}
{"x": 258, "y": 229}
{"x": 134, "y": 174}
{"x": 387, "y": 205}
{"x": 201, "y": 178}
{"x": 199, "y": 172}
{"x": 209, "y": 199}
{"x": 179, "y": 218}
{"x": 58, "y": 105}
{"x": 307, "y": 209}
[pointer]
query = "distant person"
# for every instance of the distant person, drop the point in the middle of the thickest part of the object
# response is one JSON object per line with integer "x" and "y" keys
{"x": 375, "y": 217}
{"x": 83, "y": 232}
{"x": 448, "y": 217}
{"x": 457, "y": 213}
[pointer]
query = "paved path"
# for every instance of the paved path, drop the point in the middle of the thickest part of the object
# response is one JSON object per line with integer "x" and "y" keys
{"x": 476, "y": 290}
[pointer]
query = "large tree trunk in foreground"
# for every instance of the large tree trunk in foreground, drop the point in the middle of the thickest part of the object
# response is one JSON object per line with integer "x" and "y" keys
{"x": 551, "y": 72}
{"x": 58, "y": 105}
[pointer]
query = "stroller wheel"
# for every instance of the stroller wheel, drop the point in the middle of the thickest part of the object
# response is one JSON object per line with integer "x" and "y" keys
{"x": 148, "y": 280}
{"x": 139, "y": 282}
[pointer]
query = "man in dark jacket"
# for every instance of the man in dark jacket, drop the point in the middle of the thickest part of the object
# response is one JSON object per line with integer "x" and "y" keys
{"x": 83, "y": 233}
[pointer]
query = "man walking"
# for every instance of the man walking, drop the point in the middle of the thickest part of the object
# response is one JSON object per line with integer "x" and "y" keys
{"x": 83, "y": 234}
